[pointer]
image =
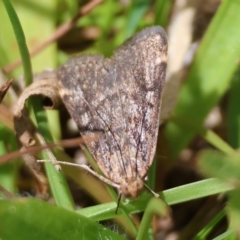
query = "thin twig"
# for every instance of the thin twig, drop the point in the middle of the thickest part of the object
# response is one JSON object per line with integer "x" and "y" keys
{"x": 4, "y": 88}
{"x": 8, "y": 194}
{"x": 60, "y": 31}
{"x": 64, "y": 143}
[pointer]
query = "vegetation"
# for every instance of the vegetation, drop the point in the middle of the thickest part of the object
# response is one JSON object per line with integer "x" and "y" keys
{"x": 196, "y": 168}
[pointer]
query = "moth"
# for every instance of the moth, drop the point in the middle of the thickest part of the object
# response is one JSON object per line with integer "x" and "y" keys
{"x": 119, "y": 98}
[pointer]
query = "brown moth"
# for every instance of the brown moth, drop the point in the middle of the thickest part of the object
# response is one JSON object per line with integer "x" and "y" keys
{"x": 120, "y": 98}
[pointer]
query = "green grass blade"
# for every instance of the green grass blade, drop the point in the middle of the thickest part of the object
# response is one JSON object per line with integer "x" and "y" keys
{"x": 57, "y": 181}
{"x": 8, "y": 171}
{"x": 155, "y": 206}
{"x": 172, "y": 196}
{"x": 232, "y": 209}
{"x": 233, "y": 121}
{"x": 228, "y": 235}
{"x": 58, "y": 184}
{"x": 136, "y": 12}
{"x": 152, "y": 174}
{"x": 20, "y": 37}
{"x": 209, "y": 227}
{"x": 162, "y": 12}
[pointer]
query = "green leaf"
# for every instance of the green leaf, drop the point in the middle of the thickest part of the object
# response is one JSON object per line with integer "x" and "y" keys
{"x": 35, "y": 219}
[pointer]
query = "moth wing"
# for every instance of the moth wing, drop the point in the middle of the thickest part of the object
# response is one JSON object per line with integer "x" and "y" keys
{"x": 119, "y": 98}
{"x": 141, "y": 74}
{"x": 88, "y": 89}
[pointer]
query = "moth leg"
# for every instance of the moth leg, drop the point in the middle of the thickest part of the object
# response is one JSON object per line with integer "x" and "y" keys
{"x": 151, "y": 191}
{"x": 83, "y": 166}
{"x": 118, "y": 202}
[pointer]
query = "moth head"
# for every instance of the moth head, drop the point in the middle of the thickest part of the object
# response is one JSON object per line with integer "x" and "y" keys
{"x": 131, "y": 186}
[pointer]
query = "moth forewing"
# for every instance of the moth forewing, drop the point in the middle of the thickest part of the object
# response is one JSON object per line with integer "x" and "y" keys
{"x": 119, "y": 97}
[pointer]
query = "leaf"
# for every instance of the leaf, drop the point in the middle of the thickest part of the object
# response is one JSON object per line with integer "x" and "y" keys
{"x": 35, "y": 219}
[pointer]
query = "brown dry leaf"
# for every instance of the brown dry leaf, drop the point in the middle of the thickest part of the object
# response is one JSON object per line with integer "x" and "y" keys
{"x": 23, "y": 126}
{"x": 25, "y": 129}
